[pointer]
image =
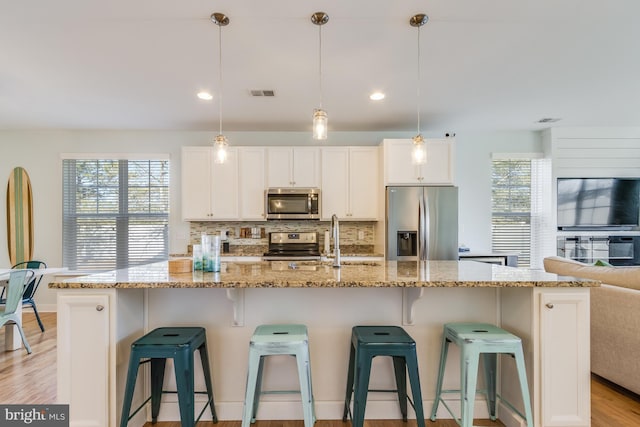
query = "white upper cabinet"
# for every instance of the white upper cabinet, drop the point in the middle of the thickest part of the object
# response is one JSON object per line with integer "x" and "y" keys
{"x": 209, "y": 190}
{"x": 196, "y": 183}
{"x": 438, "y": 170}
{"x": 350, "y": 183}
{"x": 252, "y": 178}
{"x": 293, "y": 167}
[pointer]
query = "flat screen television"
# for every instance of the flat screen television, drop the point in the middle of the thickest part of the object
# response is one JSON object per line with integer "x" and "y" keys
{"x": 598, "y": 203}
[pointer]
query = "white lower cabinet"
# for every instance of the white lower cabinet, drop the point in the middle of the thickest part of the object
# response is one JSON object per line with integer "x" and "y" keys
{"x": 554, "y": 326}
{"x": 565, "y": 359}
{"x": 95, "y": 331}
{"x": 84, "y": 360}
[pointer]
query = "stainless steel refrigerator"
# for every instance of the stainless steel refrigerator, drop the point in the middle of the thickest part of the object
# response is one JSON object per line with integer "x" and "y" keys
{"x": 422, "y": 223}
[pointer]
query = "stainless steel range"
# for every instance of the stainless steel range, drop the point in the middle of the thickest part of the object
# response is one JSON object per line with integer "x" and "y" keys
{"x": 293, "y": 246}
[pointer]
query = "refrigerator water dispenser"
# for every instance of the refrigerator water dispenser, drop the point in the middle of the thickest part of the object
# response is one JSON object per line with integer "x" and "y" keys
{"x": 407, "y": 243}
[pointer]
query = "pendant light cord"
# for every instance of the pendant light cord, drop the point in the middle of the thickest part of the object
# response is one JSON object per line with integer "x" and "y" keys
{"x": 220, "y": 78}
{"x": 320, "y": 62}
{"x": 418, "y": 88}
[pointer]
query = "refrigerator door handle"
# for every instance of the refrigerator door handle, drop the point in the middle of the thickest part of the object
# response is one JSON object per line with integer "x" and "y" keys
{"x": 423, "y": 228}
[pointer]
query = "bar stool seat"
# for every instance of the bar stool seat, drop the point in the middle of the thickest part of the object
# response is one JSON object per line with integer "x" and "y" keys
{"x": 368, "y": 342}
{"x": 270, "y": 340}
{"x": 156, "y": 347}
{"x": 475, "y": 339}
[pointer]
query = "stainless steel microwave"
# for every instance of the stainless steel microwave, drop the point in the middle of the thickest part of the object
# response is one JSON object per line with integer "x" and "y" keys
{"x": 292, "y": 203}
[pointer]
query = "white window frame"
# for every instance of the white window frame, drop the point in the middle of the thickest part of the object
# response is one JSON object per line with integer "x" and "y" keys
{"x": 540, "y": 240}
{"x": 123, "y": 256}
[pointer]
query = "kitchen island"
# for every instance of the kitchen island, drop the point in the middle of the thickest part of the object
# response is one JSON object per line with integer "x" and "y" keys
{"x": 101, "y": 314}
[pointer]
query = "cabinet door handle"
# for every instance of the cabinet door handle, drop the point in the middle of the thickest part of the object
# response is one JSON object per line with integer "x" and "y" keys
{"x": 99, "y": 307}
{"x": 549, "y": 305}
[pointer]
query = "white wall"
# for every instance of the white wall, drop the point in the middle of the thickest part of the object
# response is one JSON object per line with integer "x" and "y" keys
{"x": 39, "y": 153}
{"x": 473, "y": 172}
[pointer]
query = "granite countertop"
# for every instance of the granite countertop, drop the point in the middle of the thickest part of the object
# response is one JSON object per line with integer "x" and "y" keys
{"x": 287, "y": 274}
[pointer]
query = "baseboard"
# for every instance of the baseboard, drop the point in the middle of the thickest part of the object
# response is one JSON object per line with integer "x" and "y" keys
{"x": 46, "y": 308}
{"x": 325, "y": 410}
{"x": 510, "y": 418}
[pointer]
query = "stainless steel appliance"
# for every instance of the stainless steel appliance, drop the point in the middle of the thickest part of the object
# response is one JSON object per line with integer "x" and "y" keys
{"x": 422, "y": 223}
{"x": 292, "y": 203}
{"x": 293, "y": 246}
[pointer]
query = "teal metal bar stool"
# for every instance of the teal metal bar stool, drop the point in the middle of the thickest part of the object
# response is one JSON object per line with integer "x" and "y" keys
{"x": 156, "y": 347}
{"x": 368, "y": 342}
{"x": 270, "y": 340}
{"x": 475, "y": 339}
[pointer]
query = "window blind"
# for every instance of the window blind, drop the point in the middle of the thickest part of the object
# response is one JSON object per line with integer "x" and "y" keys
{"x": 521, "y": 189}
{"x": 511, "y": 208}
{"x": 115, "y": 213}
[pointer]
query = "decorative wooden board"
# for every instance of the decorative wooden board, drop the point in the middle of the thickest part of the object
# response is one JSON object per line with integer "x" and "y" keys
{"x": 19, "y": 216}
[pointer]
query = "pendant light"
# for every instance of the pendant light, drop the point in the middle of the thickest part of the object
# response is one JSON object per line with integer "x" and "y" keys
{"x": 220, "y": 143}
{"x": 320, "y": 118}
{"x": 419, "y": 152}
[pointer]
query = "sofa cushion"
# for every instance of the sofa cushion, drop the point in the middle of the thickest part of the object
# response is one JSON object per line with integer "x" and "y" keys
{"x": 627, "y": 277}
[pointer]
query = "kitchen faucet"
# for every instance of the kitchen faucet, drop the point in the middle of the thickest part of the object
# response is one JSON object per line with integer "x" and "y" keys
{"x": 335, "y": 232}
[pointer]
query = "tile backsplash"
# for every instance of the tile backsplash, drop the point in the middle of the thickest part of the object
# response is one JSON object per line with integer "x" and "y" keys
{"x": 351, "y": 233}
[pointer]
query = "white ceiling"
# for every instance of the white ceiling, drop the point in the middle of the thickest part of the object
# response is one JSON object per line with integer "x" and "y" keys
{"x": 486, "y": 64}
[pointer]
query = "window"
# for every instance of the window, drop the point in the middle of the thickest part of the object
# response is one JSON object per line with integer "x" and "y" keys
{"x": 115, "y": 213}
{"x": 520, "y": 195}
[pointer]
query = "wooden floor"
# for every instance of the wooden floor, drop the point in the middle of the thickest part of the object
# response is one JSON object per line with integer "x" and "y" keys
{"x": 32, "y": 379}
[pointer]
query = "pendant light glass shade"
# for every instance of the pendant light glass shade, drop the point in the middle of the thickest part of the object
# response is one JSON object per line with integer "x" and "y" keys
{"x": 319, "y": 124}
{"x": 419, "y": 151}
{"x": 320, "y": 118}
{"x": 220, "y": 146}
{"x": 220, "y": 143}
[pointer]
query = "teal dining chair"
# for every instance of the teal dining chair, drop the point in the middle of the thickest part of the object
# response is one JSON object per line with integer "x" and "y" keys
{"x": 15, "y": 288}
{"x": 30, "y": 288}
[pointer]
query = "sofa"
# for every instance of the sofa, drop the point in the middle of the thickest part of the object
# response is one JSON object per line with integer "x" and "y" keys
{"x": 615, "y": 318}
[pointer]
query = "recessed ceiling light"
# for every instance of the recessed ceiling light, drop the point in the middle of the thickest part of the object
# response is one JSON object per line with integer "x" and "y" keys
{"x": 205, "y": 95}
{"x": 376, "y": 96}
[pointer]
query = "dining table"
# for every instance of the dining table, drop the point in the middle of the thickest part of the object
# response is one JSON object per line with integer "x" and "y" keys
{"x": 12, "y": 339}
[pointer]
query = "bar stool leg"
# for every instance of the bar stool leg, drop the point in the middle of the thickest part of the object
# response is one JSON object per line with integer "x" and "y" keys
{"x": 304, "y": 376}
{"x": 258, "y": 391}
{"x": 206, "y": 370}
{"x": 444, "y": 349}
{"x": 252, "y": 378}
{"x": 363, "y": 372}
{"x": 490, "y": 363}
{"x": 183, "y": 362}
{"x": 522, "y": 376}
{"x": 469, "y": 379}
{"x": 414, "y": 378}
{"x": 350, "y": 375}
{"x": 132, "y": 374}
{"x": 157, "y": 381}
{"x": 400, "y": 370}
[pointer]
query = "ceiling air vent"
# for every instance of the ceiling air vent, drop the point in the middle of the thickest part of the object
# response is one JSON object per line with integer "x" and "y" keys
{"x": 257, "y": 92}
{"x": 548, "y": 120}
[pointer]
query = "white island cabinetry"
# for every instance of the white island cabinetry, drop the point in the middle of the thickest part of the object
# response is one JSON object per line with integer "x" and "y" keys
{"x": 209, "y": 189}
{"x": 350, "y": 183}
{"x": 438, "y": 169}
{"x": 554, "y": 326}
{"x": 96, "y": 326}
